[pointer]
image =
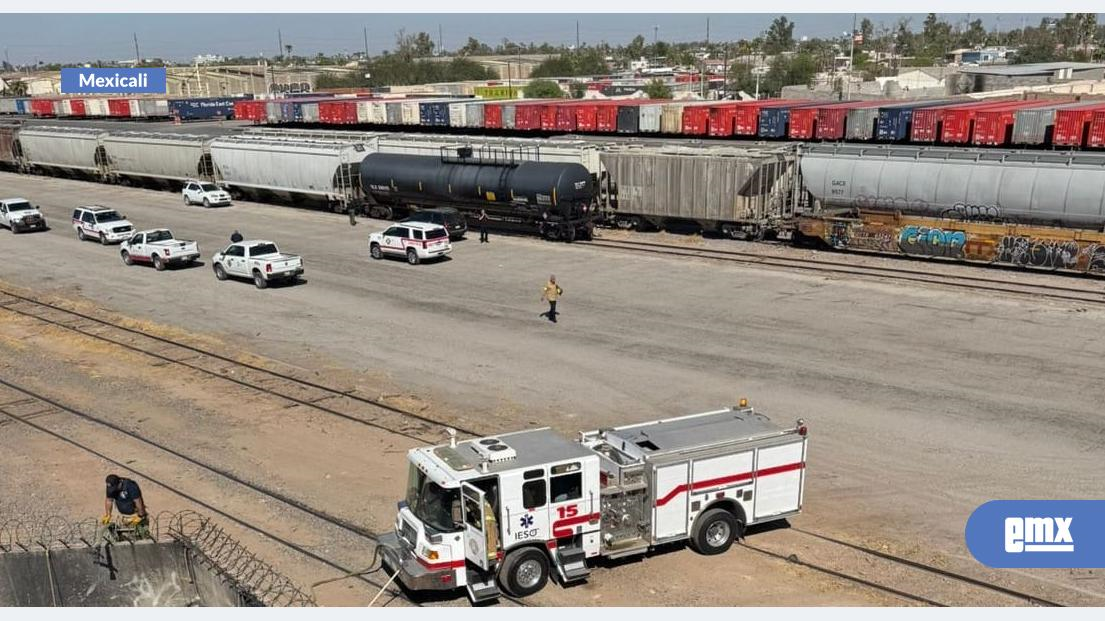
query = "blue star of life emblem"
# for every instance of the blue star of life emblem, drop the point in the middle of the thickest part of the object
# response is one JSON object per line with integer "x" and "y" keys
{"x": 527, "y": 521}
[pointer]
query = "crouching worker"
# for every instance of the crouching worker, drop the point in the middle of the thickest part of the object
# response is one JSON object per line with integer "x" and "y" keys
{"x": 126, "y": 497}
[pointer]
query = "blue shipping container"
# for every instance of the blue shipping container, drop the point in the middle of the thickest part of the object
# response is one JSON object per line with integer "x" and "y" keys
{"x": 773, "y": 122}
{"x": 893, "y": 123}
{"x": 23, "y": 106}
{"x": 204, "y": 108}
{"x": 434, "y": 114}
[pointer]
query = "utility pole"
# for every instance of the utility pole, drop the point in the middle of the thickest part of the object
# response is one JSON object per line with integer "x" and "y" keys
{"x": 851, "y": 62}
{"x": 655, "y": 34}
{"x": 366, "y": 44}
{"x": 137, "y": 56}
{"x": 577, "y": 35}
{"x": 280, "y": 43}
{"x": 440, "y": 40}
{"x": 707, "y": 32}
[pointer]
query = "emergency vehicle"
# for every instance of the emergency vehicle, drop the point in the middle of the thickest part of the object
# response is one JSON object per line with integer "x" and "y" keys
{"x": 502, "y": 513}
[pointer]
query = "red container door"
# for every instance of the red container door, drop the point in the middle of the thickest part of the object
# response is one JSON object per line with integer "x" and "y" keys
{"x": 1071, "y": 126}
{"x": 548, "y": 117}
{"x": 349, "y": 112}
{"x": 830, "y": 123}
{"x": 696, "y": 119}
{"x": 746, "y": 120}
{"x": 1097, "y": 130}
{"x": 118, "y": 107}
{"x": 925, "y": 123}
{"x": 493, "y": 116}
{"x": 586, "y": 117}
{"x": 78, "y": 107}
{"x": 956, "y": 125}
{"x": 990, "y": 126}
{"x": 606, "y": 118}
{"x": 801, "y": 123}
{"x": 719, "y": 123}
{"x": 325, "y": 115}
{"x": 42, "y": 107}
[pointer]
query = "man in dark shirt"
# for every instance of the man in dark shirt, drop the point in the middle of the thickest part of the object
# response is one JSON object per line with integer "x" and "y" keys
{"x": 235, "y": 237}
{"x": 126, "y": 496}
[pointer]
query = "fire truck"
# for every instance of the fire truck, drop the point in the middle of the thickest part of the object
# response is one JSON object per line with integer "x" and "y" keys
{"x": 506, "y": 513}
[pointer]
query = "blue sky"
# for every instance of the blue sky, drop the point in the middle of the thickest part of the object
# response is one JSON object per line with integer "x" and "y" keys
{"x": 71, "y": 37}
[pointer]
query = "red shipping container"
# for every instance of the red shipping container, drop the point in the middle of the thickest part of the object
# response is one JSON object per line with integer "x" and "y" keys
{"x": 993, "y": 126}
{"x": 801, "y": 123}
{"x": 548, "y": 116}
{"x": 118, "y": 107}
{"x": 337, "y": 112}
{"x": 957, "y": 121}
{"x": 527, "y": 116}
{"x": 587, "y": 117}
{"x": 42, "y": 107}
{"x": 566, "y": 117}
{"x": 493, "y": 116}
{"x": 1096, "y": 134}
{"x": 720, "y": 122}
{"x": 1072, "y": 125}
{"x": 606, "y": 118}
{"x": 926, "y": 122}
{"x": 696, "y": 120}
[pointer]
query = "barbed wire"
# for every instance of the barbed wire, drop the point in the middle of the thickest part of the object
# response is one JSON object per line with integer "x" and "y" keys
{"x": 257, "y": 581}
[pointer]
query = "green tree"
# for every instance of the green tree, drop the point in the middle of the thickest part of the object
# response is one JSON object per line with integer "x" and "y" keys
{"x": 636, "y": 48}
{"x": 1038, "y": 45}
{"x": 656, "y": 89}
{"x": 584, "y": 62}
{"x": 937, "y": 36}
{"x": 867, "y": 29}
{"x": 795, "y": 70}
{"x": 543, "y": 89}
{"x": 474, "y": 48}
{"x": 780, "y": 36}
{"x": 577, "y": 90}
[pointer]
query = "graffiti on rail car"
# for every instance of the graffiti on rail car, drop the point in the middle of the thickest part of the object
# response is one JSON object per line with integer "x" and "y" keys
{"x": 931, "y": 242}
{"x": 987, "y": 242}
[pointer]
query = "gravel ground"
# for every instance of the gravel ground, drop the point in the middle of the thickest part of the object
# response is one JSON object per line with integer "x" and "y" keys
{"x": 923, "y": 403}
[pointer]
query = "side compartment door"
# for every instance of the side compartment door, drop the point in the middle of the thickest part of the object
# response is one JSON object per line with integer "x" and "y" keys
{"x": 669, "y": 513}
{"x": 779, "y": 477}
{"x": 472, "y": 512}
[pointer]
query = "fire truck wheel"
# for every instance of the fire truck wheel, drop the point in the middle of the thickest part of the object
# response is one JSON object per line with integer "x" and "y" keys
{"x": 524, "y": 572}
{"x": 715, "y": 532}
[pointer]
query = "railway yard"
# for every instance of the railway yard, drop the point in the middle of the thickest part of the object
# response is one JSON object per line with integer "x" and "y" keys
{"x": 285, "y": 414}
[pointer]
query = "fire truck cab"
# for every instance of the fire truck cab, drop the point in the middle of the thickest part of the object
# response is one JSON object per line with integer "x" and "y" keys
{"x": 503, "y": 513}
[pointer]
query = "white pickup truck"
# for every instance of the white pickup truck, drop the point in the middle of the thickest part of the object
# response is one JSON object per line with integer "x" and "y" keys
{"x": 159, "y": 247}
{"x": 18, "y": 215}
{"x": 259, "y": 260}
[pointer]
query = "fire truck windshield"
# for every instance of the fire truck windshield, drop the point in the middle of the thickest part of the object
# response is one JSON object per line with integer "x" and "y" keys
{"x": 436, "y": 506}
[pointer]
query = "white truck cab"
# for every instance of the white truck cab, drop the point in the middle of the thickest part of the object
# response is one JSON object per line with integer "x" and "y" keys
{"x": 159, "y": 248}
{"x": 501, "y": 513}
{"x": 259, "y": 260}
{"x": 19, "y": 215}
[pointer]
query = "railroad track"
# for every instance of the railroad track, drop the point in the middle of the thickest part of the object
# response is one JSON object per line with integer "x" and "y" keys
{"x": 344, "y": 404}
{"x": 900, "y": 561}
{"x": 841, "y": 268}
{"x": 19, "y": 397}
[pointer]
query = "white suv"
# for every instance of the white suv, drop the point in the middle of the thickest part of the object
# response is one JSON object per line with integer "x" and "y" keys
{"x": 102, "y": 223}
{"x": 414, "y": 240}
{"x": 196, "y": 192}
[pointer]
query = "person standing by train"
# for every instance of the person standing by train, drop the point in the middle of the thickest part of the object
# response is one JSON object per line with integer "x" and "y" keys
{"x": 551, "y": 293}
{"x": 482, "y": 221}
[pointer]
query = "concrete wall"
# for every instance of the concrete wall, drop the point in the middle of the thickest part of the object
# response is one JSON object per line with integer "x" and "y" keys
{"x": 139, "y": 574}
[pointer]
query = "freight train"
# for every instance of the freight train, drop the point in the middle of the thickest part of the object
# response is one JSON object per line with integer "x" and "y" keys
{"x": 1030, "y": 208}
{"x": 1044, "y": 121}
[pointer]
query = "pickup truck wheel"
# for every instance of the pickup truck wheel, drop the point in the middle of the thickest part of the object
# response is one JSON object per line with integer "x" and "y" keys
{"x": 524, "y": 572}
{"x": 103, "y": 239}
{"x": 412, "y": 256}
{"x": 80, "y": 234}
{"x": 127, "y": 259}
{"x": 220, "y": 273}
{"x": 186, "y": 201}
{"x": 715, "y": 531}
{"x": 259, "y": 280}
{"x": 158, "y": 263}
{"x": 376, "y": 252}
{"x": 15, "y": 228}
{"x": 206, "y": 203}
